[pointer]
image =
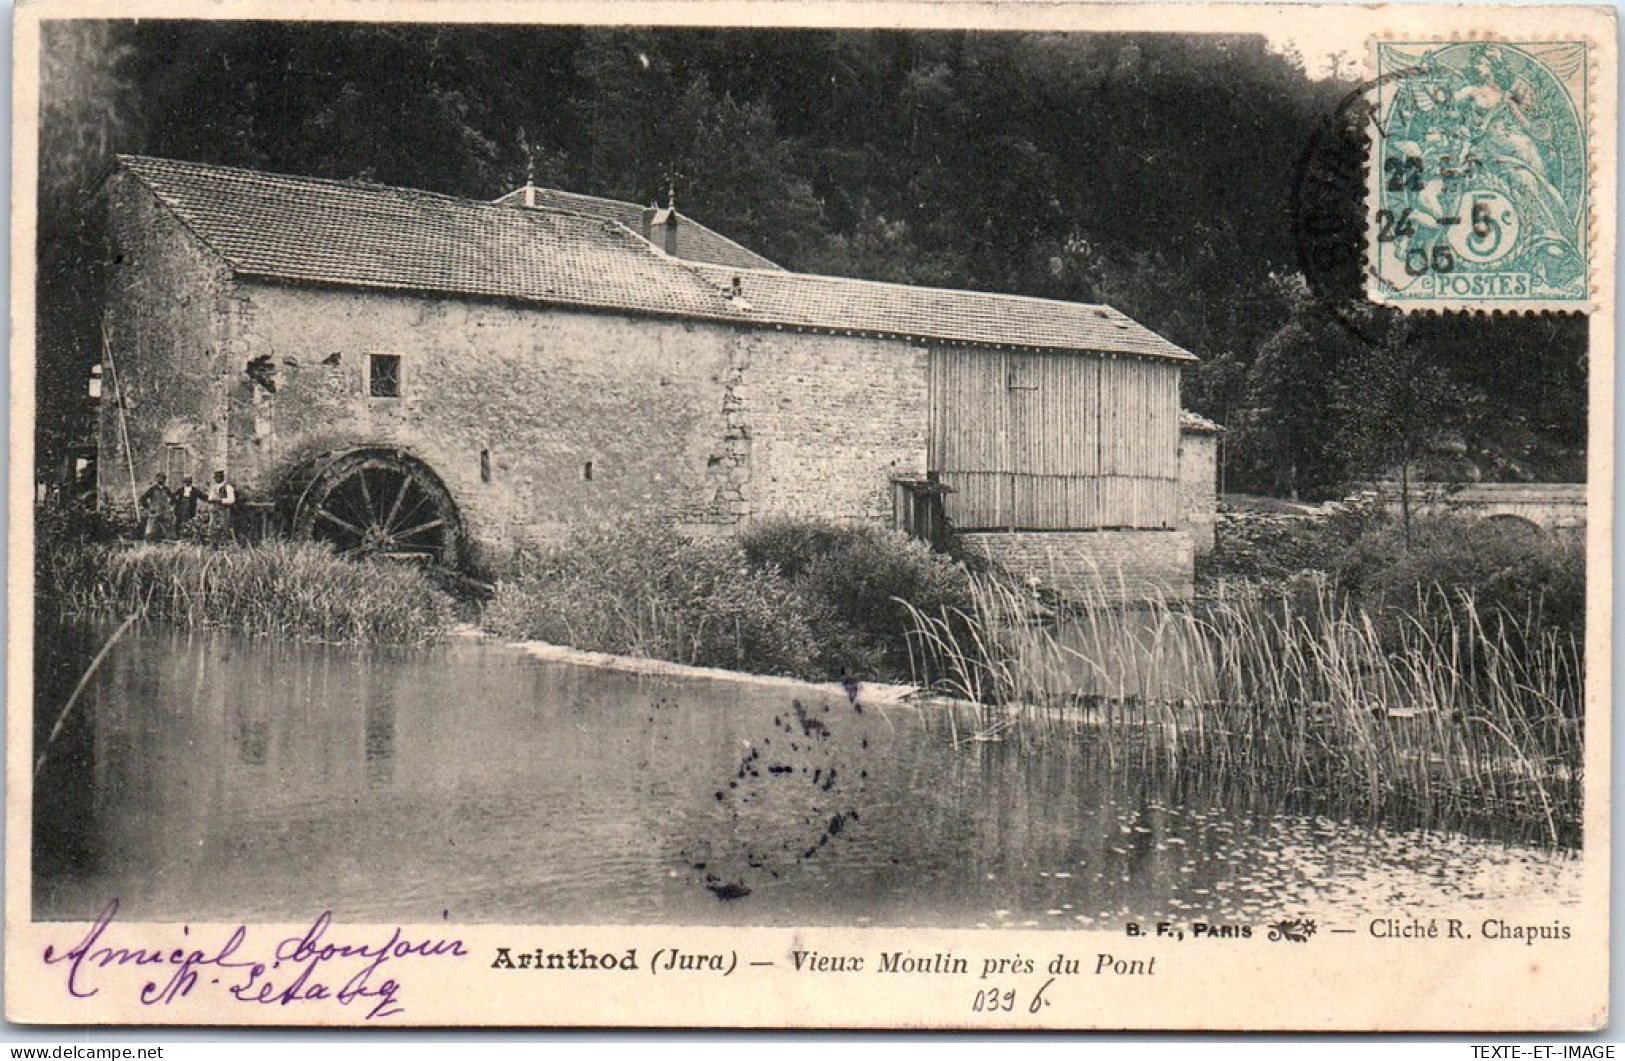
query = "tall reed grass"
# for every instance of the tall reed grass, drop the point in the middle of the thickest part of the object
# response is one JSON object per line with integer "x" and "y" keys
{"x": 285, "y": 589}
{"x": 1469, "y": 717}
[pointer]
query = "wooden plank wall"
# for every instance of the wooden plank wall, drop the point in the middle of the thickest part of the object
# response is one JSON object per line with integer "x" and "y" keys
{"x": 1055, "y": 441}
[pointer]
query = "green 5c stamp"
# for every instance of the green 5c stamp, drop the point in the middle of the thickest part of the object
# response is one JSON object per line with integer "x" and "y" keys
{"x": 1479, "y": 194}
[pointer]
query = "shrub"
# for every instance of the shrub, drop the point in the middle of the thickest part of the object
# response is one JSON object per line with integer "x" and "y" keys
{"x": 645, "y": 590}
{"x": 793, "y": 545}
{"x": 802, "y": 598}
{"x": 1534, "y": 582}
{"x": 57, "y": 522}
{"x": 858, "y": 583}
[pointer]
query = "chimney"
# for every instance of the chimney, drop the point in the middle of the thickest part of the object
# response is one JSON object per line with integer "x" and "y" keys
{"x": 660, "y": 228}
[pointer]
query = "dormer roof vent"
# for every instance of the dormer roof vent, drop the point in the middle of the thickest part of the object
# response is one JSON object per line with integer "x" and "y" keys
{"x": 660, "y": 228}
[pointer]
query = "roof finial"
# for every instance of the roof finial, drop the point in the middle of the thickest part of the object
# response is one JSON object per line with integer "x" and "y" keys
{"x": 671, "y": 192}
{"x": 529, "y": 190}
{"x": 530, "y": 158}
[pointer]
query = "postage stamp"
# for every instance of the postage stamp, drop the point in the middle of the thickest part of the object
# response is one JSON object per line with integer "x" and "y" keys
{"x": 1479, "y": 176}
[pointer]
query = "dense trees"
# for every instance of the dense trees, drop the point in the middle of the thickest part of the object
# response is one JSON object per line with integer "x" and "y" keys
{"x": 1151, "y": 172}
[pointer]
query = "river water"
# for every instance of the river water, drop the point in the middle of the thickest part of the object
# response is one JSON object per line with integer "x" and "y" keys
{"x": 212, "y": 776}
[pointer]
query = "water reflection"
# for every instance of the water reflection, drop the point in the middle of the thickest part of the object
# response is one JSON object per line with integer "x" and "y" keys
{"x": 379, "y": 734}
{"x": 251, "y": 735}
{"x": 208, "y": 775}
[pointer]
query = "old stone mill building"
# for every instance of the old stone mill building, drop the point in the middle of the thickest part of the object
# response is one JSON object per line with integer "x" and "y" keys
{"x": 400, "y": 371}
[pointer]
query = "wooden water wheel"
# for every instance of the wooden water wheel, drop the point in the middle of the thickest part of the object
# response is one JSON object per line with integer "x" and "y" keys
{"x": 379, "y": 503}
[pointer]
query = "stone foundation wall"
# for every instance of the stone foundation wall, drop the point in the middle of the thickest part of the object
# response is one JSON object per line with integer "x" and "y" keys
{"x": 1117, "y": 565}
{"x": 1198, "y": 487}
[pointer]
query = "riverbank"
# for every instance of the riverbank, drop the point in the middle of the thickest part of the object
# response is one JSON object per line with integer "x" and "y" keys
{"x": 295, "y": 590}
{"x": 1460, "y": 713}
{"x": 1268, "y": 708}
{"x": 803, "y": 599}
{"x": 877, "y": 693}
{"x": 1444, "y": 702}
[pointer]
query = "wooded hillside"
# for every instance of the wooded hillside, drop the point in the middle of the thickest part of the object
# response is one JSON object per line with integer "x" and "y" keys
{"x": 1153, "y": 173}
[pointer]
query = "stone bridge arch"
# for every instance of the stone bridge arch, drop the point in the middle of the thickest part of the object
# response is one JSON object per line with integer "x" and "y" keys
{"x": 1546, "y": 506}
{"x": 1512, "y": 521}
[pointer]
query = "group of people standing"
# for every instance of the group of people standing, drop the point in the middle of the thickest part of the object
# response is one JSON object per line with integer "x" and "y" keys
{"x": 166, "y": 513}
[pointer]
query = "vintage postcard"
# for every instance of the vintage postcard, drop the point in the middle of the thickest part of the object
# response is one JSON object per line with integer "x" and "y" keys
{"x": 795, "y": 515}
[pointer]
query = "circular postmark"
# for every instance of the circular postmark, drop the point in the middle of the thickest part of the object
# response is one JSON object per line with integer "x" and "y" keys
{"x": 1328, "y": 209}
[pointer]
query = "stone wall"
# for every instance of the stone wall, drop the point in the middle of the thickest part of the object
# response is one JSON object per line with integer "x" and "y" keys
{"x": 833, "y": 419}
{"x": 1117, "y": 565}
{"x": 588, "y": 418}
{"x": 163, "y": 386}
{"x": 584, "y": 419}
{"x": 1198, "y": 487}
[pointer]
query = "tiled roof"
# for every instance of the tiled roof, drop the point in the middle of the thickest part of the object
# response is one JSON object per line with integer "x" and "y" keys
{"x": 695, "y": 242}
{"x": 348, "y": 233}
{"x": 340, "y": 232}
{"x": 1197, "y": 424}
{"x": 972, "y": 317}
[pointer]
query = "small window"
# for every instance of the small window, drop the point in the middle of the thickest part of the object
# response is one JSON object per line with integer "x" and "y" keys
{"x": 384, "y": 375}
{"x": 177, "y": 463}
